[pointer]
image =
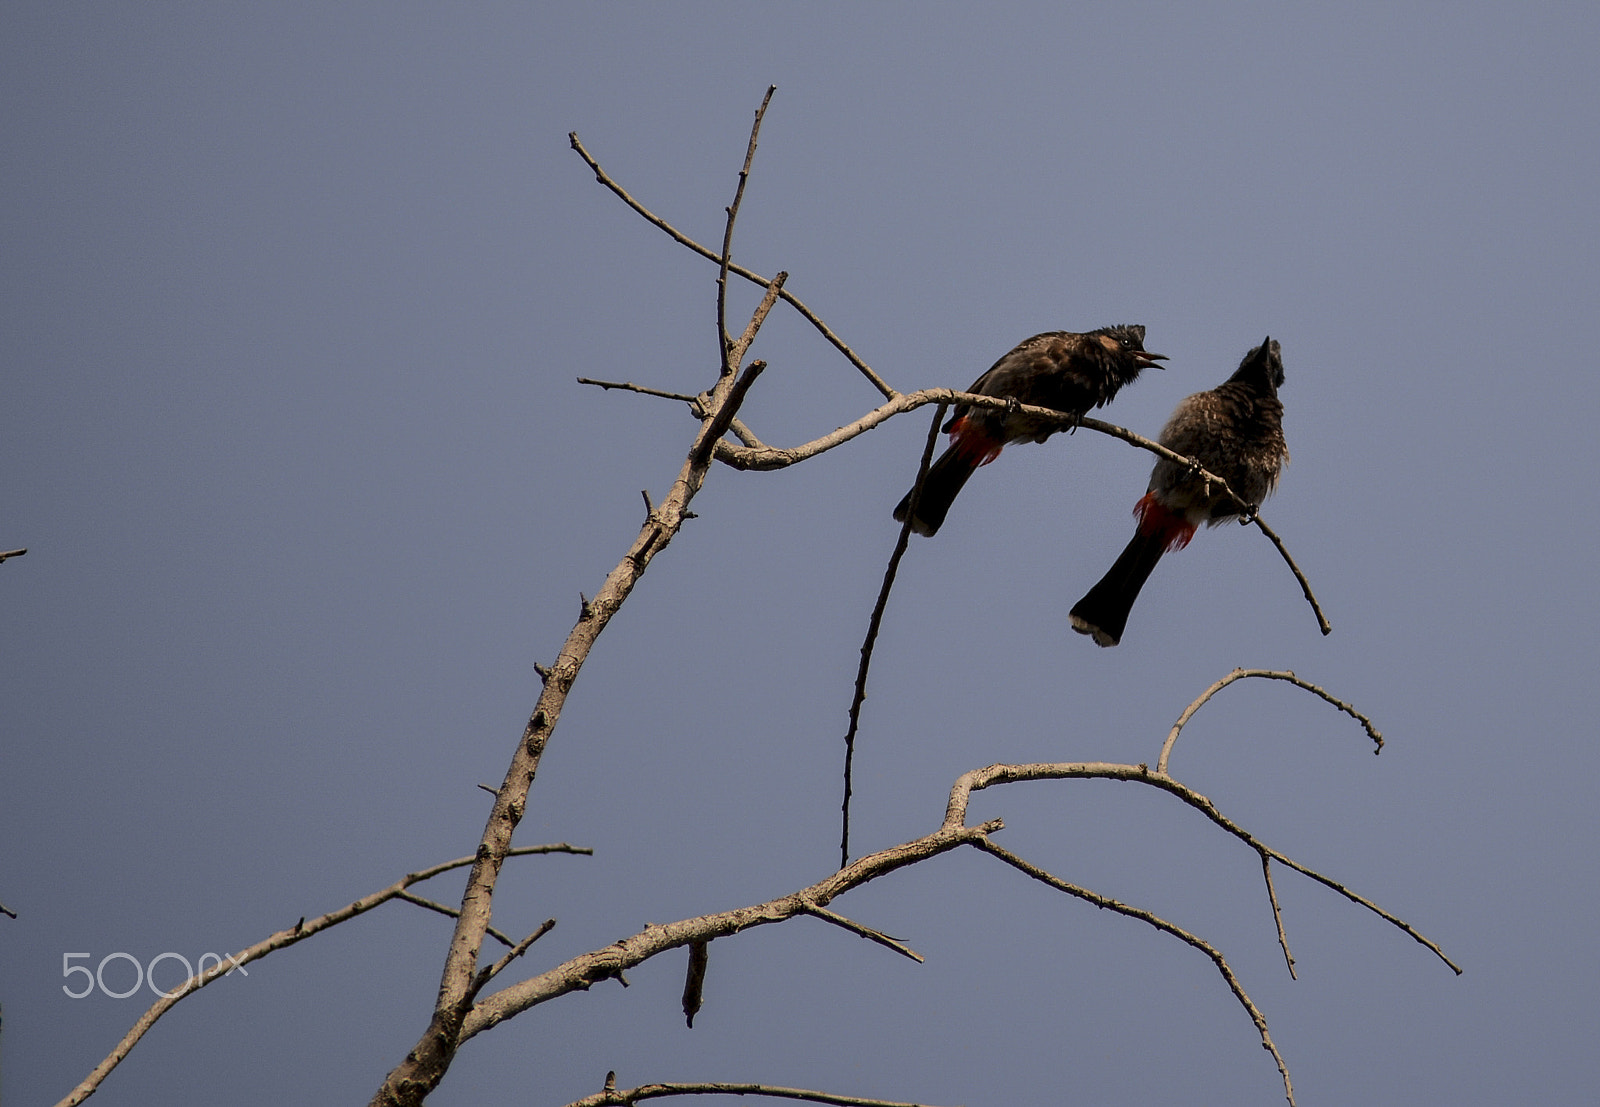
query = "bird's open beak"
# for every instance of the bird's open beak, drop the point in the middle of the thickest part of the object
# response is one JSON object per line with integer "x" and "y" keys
{"x": 1151, "y": 359}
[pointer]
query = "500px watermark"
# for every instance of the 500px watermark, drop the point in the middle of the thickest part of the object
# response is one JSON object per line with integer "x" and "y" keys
{"x": 142, "y": 974}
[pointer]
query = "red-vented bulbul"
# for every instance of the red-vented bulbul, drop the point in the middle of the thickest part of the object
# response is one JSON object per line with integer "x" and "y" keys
{"x": 1068, "y": 372}
{"x": 1234, "y": 431}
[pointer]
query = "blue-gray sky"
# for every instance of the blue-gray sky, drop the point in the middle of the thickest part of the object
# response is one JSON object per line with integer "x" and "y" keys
{"x": 293, "y": 303}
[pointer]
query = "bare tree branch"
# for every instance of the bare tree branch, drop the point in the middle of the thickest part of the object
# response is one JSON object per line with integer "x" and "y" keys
{"x": 992, "y": 775}
{"x": 761, "y": 458}
{"x": 724, "y": 340}
{"x": 749, "y": 275}
{"x": 425, "y": 1064}
{"x": 7, "y": 554}
{"x": 489, "y": 972}
{"x": 1269, "y": 674}
{"x": 872, "y": 633}
{"x": 582, "y": 972}
{"x": 864, "y": 931}
{"x": 1165, "y": 927}
{"x": 302, "y": 930}
{"x": 1277, "y": 915}
{"x": 776, "y": 458}
{"x": 613, "y": 1096}
{"x": 695, "y": 404}
{"x": 450, "y": 912}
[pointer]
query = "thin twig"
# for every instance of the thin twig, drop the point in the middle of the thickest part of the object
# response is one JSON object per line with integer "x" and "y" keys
{"x": 451, "y": 912}
{"x": 1268, "y": 674}
{"x": 748, "y": 274}
{"x": 864, "y": 931}
{"x": 613, "y": 1096}
{"x": 872, "y": 633}
{"x": 723, "y": 338}
{"x": 1305, "y": 585}
{"x": 12, "y": 553}
{"x": 1165, "y": 927}
{"x": 489, "y": 972}
{"x": 1277, "y": 914}
{"x": 631, "y": 387}
{"x": 302, "y": 930}
{"x": 7, "y": 912}
{"x": 696, "y": 404}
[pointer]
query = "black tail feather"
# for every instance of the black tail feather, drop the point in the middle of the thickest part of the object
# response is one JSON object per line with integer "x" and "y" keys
{"x": 1103, "y": 611}
{"x": 946, "y": 477}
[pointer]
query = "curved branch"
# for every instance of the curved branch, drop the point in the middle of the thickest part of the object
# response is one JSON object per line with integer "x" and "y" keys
{"x": 301, "y": 930}
{"x": 873, "y": 624}
{"x": 746, "y": 457}
{"x": 993, "y": 775}
{"x": 613, "y": 1096}
{"x": 1166, "y": 928}
{"x": 1269, "y": 674}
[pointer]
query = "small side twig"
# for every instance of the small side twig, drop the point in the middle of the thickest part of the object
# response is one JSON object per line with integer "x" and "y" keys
{"x": 12, "y": 553}
{"x": 724, "y": 340}
{"x": 1305, "y": 585}
{"x": 489, "y": 972}
{"x": 863, "y": 931}
{"x": 1268, "y": 674}
{"x": 1277, "y": 914}
{"x": 7, "y": 912}
{"x": 872, "y": 633}
{"x": 302, "y": 930}
{"x": 451, "y": 912}
{"x": 736, "y": 426}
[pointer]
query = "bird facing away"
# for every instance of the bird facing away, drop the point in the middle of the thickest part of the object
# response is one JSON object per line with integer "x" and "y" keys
{"x": 1235, "y": 431}
{"x": 1063, "y": 370}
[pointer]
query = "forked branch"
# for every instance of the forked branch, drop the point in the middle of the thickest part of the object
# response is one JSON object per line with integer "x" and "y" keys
{"x": 748, "y": 274}
{"x": 301, "y": 930}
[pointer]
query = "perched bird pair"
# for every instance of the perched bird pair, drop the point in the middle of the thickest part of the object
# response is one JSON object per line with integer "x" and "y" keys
{"x": 1234, "y": 431}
